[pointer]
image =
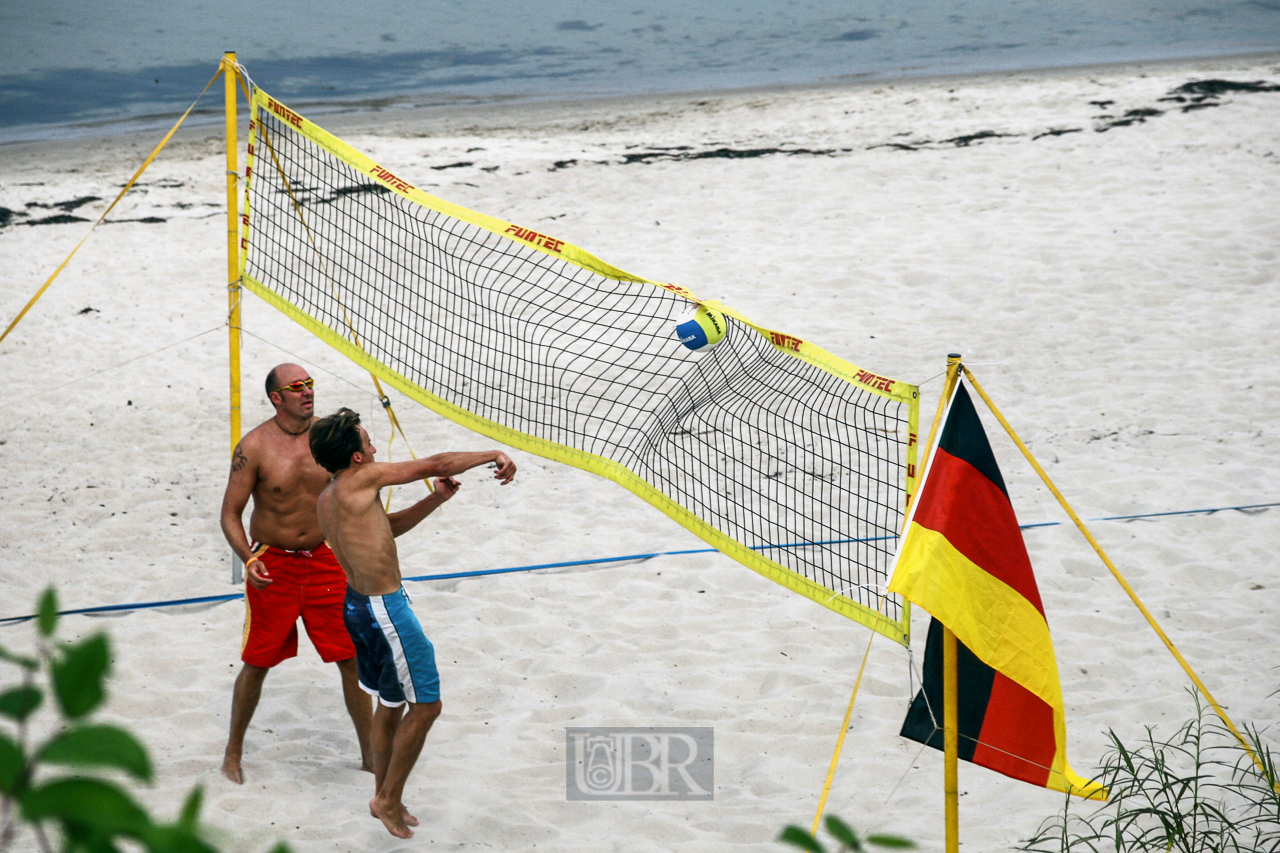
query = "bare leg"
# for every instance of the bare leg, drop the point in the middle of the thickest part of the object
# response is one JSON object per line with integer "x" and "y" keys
{"x": 406, "y": 746}
{"x": 385, "y": 722}
{"x": 359, "y": 708}
{"x": 382, "y": 736}
{"x": 244, "y": 701}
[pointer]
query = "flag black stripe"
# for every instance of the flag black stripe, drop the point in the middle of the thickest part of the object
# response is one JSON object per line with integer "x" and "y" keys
{"x": 964, "y": 438}
{"x": 973, "y": 685}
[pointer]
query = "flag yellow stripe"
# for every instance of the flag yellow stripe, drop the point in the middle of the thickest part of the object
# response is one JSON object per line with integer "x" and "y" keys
{"x": 997, "y": 624}
{"x": 1061, "y": 776}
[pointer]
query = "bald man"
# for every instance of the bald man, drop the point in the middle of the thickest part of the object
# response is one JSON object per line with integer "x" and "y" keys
{"x": 290, "y": 572}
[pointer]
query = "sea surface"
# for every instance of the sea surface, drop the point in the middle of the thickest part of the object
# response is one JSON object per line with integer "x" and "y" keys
{"x": 75, "y": 68}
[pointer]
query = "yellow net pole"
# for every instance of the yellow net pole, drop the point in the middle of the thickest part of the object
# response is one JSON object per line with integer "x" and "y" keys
{"x": 1133, "y": 596}
{"x": 229, "y": 74}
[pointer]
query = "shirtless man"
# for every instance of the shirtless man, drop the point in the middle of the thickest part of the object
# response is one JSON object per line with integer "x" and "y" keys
{"x": 290, "y": 570}
{"x": 396, "y": 660}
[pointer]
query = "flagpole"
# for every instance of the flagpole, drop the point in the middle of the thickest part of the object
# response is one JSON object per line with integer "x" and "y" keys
{"x": 951, "y": 741}
{"x": 950, "y": 714}
{"x": 953, "y": 373}
{"x": 1133, "y": 596}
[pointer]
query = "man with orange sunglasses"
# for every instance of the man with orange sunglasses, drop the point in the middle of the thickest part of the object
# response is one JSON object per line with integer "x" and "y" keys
{"x": 289, "y": 570}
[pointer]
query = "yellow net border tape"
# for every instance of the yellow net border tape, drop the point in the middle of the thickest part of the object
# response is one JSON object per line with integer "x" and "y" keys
{"x": 794, "y": 346}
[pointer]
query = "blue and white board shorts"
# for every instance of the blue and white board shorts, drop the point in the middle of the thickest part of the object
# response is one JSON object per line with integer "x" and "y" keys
{"x": 395, "y": 660}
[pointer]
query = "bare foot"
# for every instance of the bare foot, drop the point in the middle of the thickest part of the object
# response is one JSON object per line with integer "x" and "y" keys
{"x": 405, "y": 816}
{"x": 391, "y": 818}
{"x": 231, "y": 769}
{"x": 409, "y": 819}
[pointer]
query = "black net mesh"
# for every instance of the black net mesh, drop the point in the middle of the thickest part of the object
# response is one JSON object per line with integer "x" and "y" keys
{"x": 781, "y": 456}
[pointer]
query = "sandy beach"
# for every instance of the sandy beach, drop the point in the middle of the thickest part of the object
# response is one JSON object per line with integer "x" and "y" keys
{"x": 1099, "y": 243}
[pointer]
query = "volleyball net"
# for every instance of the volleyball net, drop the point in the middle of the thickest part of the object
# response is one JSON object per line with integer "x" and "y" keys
{"x": 788, "y": 459}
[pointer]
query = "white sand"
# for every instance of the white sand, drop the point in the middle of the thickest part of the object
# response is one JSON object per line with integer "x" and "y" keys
{"x": 1115, "y": 291}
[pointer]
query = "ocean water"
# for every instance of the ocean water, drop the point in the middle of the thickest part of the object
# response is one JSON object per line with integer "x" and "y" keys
{"x": 76, "y": 68}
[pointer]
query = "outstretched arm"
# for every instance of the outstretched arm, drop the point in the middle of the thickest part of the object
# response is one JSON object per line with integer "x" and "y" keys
{"x": 405, "y": 520}
{"x": 441, "y": 465}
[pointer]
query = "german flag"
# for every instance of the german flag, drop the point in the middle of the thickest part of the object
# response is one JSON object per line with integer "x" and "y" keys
{"x": 964, "y": 561}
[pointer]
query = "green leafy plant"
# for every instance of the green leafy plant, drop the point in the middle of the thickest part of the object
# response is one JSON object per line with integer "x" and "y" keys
{"x": 844, "y": 834}
{"x": 1199, "y": 791}
{"x": 90, "y": 811}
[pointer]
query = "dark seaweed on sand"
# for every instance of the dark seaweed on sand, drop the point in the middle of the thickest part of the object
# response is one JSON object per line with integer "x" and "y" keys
{"x": 725, "y": 153}
{"x": 303, "y": 193}
{"x": 59, "y": 219}
{"x": 1214, "y": 88}
{"x": 968, "y": 139}
{"x": 1131, "y": 117}
{"x": 1202, "y": 94}
{"x": 66, "y": 206}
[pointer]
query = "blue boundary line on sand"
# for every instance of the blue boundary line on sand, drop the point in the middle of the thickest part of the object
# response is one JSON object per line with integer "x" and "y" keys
{"x": 218, "y": 599}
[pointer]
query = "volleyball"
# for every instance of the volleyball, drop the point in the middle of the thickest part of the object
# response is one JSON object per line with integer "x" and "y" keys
{"x": 700, "y": 328}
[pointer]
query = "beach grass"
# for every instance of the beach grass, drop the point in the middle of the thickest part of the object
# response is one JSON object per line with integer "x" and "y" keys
{"x": 1199, "y": 790}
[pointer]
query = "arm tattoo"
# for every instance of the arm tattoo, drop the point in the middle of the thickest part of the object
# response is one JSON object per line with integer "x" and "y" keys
{"x": 238, "y": 460}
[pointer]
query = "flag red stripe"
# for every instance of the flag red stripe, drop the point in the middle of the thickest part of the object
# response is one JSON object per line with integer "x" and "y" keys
{"x": 977, "y": 519}
{"x": 1017, "y": 733}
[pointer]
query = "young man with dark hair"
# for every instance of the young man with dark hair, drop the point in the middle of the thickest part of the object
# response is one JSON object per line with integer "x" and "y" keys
{"x": 395, "y": 659}
{"x": 289, "y": 571}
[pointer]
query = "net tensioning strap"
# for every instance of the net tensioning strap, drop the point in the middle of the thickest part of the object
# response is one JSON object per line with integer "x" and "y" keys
{"x": 792, "y": 461}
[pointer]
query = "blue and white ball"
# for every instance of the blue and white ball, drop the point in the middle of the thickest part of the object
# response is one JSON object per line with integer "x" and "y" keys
{"x": 700, "y": 328}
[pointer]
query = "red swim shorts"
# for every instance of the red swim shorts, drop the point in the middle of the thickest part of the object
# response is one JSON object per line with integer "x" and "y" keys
{"x": 309, "y": 584}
